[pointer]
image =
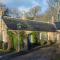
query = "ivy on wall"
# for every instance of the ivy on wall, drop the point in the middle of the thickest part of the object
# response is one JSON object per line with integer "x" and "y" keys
{"x": 13, "y": 38}
{"x": 1, "y": 40}
{"x": 15, "y": 41}
{"x": 21, "y": 39}
{"x": 34, "y": 37}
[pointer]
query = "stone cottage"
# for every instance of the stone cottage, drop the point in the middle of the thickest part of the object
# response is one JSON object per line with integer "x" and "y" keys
{"x": 50, "y": 30}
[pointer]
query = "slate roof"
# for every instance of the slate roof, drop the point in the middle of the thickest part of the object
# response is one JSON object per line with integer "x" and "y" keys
{"x": 17, "y": 24}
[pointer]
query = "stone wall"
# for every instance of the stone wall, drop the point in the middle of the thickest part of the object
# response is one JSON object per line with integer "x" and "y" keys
{"x": 3, "y": 30}
{"x": 52, "y": 36}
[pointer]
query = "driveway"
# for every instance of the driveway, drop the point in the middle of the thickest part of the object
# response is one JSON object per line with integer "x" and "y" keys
{"x": 47, "y": 53}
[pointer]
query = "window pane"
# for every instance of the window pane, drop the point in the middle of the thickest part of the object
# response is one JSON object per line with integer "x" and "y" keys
{"x": 44, "y": 36}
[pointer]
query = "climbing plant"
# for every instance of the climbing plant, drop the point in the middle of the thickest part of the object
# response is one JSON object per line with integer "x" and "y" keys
{"x": 34, "y": 37}
{"x": 1, "y": 41}
{"x": 21, "y": 38}
{"x": 13, "y": 38}
{"x": 15, "y": 41}
{"x": 10, "y": 34}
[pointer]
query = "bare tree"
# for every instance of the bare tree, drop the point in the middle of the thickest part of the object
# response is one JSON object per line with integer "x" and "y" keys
{"x": 33, "y": 12}
{"x": 12, "y": 13}
{"x": 54, "y": 6}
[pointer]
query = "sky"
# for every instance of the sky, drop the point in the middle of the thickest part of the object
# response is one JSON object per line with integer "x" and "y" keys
{"x": 25, "y": 4}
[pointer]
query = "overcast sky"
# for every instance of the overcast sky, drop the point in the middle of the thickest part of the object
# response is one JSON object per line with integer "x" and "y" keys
{"x": 25, "y": 4}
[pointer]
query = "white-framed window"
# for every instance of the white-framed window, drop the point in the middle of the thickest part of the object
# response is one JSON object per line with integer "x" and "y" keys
{"x": 44, "y": 36}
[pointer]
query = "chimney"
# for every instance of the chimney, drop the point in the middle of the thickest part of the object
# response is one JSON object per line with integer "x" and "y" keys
{"x": 52, "y": 20}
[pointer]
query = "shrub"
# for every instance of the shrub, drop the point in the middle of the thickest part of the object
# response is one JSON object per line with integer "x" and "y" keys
{"x": 1, "y": 44}
{"x": 43, "y": 42}
{"x": 51, "y": 42}
{"x": 5, "y": 45}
